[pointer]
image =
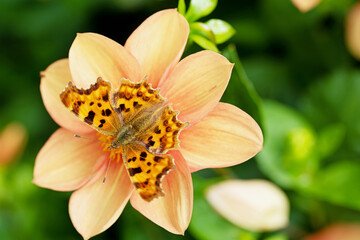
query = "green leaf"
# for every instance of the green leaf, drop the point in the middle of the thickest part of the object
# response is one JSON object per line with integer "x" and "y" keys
{"x": 204, "y": 43}
{"x": 223, "y": 31}
{"x": 202, "y": 29}
{"x": 206, "y": 224}
{"x": 334, "y": 100}
{"x": 288, "y": 157}
{"x": 249, "y": 33}
{"x": 182, "y": 7}
{"x": 199, "y": 9}
{"x": 240, "y": 90}
{"x": 338, "y": 184}
{"x": 267, "y": 74}
{"x": 330, "y": 139}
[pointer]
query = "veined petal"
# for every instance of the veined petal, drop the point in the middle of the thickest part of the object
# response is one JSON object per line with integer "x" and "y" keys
{"x": 64, "y": 162}
{"x": 158, "y": 43}
{"x": 97, "y": 205}
{"x": 93, "y": 55}
{"x": 173, "y": 211}
{"x": 53, "y": 80}
{"x": 226, "y": 137}
{"x": 196, "y": 84}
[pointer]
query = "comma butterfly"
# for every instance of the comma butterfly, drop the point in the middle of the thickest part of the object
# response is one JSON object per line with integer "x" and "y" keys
{"x": 140, "y": 127}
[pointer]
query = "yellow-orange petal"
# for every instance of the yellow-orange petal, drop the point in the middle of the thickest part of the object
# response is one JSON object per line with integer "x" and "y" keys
{"x": 173, "y": 211}
{"x": 96, "y": 206}
{"x": 226, "y": 137}
{"x": 64, "y": 162}
{"x": 158, "y": 43}
{"x": 336, "y": 231}
{"x": 353, "y": 30}
{"x": 196, "y": 84}
{"x": 305, "y": 5}
{"x": 53, "y": 80}
{"x": 93, "y": 55}
{"x": 257, "y": 205}
{"x": 12, "y": 142}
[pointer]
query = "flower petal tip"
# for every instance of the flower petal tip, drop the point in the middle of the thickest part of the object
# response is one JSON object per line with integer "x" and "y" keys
{"x": 206, "y": 75}
{"x": 158, "y": 43}
{"x": 92, "y": 55}
{"x": 218, "y": 136}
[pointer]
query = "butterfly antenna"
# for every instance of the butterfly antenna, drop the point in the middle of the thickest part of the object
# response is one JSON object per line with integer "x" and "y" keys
{"x": 78, "y": 136}
{"x": 107, "y": 171}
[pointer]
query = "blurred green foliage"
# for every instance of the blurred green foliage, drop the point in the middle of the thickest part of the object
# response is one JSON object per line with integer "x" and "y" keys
{"x": 292, "y": 73}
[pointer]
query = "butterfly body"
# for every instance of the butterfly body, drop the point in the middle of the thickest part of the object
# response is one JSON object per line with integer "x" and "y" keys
{"x": 125, "y": 136}
{"x": 141, "y": 129}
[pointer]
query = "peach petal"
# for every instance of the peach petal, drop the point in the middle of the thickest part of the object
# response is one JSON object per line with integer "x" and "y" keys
{"x": 53, "y": 80}
{"x": 226, "y": 137}
{"x": 64, "y": 162}
{"x": 93, "y": 55}
{"x": 173, "y": 211}
{"x": 158, "y": 43}
{"x": 305, "y": 5}
{"x": 353, "y": 30}
{"x": 97, "y": 205}
{"x": 196, "y": 84}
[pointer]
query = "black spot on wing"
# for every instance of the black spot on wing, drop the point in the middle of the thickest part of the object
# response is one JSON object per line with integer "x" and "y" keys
{"x": 133, "y": 171}
{"x": 157, "y": 130}
{"x": 122, "y": 107}
{"x": 106, "y": 112}
{"x": 143, "y": 156}
{"x": 137, "y": 105}
{"x": 102, "y": 121}
{"x": 90, "y": 117}
{"x": 132, "y": 159}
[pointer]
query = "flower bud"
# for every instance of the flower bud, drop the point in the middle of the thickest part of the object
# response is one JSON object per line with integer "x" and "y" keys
{"x": 353, "y": 31}
{"x": 256, "y": 205}
{"x": 12, "y": 141}
{"x": 305, "y": 5}
{"x": 336, "y": 231}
